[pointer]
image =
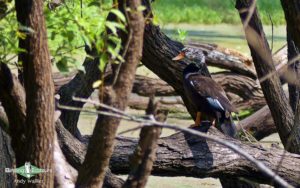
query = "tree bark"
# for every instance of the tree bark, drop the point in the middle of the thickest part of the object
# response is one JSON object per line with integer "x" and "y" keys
{"x": 280, "y": 109}
{"x": 12, "y": 97}
{"x": 39, "y": 88}
{"x": 146, "y": 86}
{"x": 101, "y": 145}
{"x": 145, "y": 153}
{"x": 171, "y": 104}
{"x": 227, "y": 59}
{"x": 75, "y": 151}
{"x": 182, "y": 154}
{"x": 79, "y": 86}
{"x": 294, "y": 70}
{"x": 291, "y": 10}
{"x": 6, "y": 160}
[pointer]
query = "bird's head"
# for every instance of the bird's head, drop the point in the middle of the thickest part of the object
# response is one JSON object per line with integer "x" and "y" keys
{"x": 193, "y": 54}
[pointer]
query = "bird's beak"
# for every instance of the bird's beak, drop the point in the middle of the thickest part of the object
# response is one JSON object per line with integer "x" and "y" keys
{"x": 180, "y": 56}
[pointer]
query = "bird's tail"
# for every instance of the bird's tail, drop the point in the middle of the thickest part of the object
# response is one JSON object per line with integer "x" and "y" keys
{"x": 228, "y": 127}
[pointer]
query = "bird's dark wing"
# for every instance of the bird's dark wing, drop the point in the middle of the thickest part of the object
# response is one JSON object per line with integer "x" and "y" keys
{"x": 207, "y": 87}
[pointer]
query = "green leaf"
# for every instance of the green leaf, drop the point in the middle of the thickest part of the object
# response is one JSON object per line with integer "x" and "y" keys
{"x": 103, "y": 61}
{"x": 119, "y": 14}
{"x": 141, "y": 8}
{"x": 97, "y": 84}
{"x": 112, "y": 27}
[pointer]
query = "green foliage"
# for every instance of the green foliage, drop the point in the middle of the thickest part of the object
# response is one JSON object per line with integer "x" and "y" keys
{"x": 181, "y": 35}
{"x": 9, "y": 37}
{"x": 212, "y": 11}
{"x": 70, "y": 30}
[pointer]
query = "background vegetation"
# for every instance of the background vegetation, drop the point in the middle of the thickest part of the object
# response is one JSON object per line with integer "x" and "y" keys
{"x": 212, "y": 11}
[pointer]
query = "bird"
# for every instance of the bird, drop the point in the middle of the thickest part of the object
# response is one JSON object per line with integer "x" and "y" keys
{"x": 204, "y": 93}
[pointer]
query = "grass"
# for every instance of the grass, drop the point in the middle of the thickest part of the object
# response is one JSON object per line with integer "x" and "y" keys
{"x": 212, "y": 11}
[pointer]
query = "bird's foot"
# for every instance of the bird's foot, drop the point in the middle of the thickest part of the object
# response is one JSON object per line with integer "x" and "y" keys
{"x": 203, "y": 126}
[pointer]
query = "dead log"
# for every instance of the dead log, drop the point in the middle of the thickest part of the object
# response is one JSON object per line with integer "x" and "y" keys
{"x": 227, "y": 59}
{"x": 185, "y": 155}
{"x": 172, "y": 105}
{"x": 146, "y": 86}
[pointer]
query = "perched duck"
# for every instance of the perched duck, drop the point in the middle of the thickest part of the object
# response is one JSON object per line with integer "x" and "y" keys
{"x": 202, "y": 91}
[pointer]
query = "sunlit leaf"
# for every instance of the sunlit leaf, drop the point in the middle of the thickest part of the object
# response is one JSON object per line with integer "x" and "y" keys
{"x": 21, "y": 35}
{"x": 119, "y": 14}
{"x": 103, "y": 61}
{"x": 97, "y": 84}
{"x": 141, "y": 8}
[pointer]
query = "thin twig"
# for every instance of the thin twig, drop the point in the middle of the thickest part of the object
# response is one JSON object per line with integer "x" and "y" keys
{"x": 272, "y": 25}
{"x": 250, "y": 13}
{"x": 100, "y": 105}
{"x": 279, "y": 67}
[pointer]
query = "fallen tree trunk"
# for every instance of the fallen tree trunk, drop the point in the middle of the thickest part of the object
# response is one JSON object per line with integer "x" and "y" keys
{"x": 172, "y": 105}
{"x": 185, "y": 155}
{"x": 146, "y": 86}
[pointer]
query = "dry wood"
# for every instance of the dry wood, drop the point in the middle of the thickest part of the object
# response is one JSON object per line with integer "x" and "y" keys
{"x": 227, "y": 59}
{"x": 186, "y": 155}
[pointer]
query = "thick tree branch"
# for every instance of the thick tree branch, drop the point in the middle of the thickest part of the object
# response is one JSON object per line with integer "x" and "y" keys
{"x": 79, "y": 86}
{"x": 12, "y": 97}
{"x": 262, "y": 58}
{"x": 186, "y": 155}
